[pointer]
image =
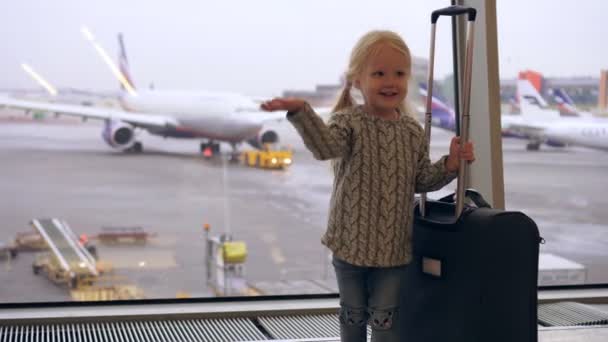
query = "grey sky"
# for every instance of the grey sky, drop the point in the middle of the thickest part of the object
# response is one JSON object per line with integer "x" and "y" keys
{"x": 262, "y": 47}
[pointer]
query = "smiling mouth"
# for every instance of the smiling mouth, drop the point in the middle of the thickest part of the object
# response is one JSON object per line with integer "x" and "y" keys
{"x": 389, "y": 94}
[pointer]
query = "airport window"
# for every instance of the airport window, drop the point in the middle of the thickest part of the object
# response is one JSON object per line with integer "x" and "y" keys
{"x": 557, "y": 176}
{"x": 101, "y": 211}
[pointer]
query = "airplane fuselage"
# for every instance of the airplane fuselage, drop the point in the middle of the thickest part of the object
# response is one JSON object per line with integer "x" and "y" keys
{"x": 580, "y": 132}
{"x": 200, "y": 114}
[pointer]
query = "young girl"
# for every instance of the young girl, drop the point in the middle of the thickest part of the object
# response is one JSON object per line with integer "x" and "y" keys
{"x": 380, "y": 160}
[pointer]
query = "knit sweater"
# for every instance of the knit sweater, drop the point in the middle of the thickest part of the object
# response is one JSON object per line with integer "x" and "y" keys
{"x": 379, "y": 165}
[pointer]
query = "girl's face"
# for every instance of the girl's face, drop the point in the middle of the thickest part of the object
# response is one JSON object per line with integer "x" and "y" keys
{"x": 383, "y": 81}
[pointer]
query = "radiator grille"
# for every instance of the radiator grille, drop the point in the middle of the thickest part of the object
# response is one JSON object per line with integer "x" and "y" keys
{"x": 225, "y": 329}
{"x": 570, "y": 314}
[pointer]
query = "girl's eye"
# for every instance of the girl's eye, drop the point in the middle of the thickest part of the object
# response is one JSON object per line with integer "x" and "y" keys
{"x": 378, "y": 73}
{"x": 401, "y": 73}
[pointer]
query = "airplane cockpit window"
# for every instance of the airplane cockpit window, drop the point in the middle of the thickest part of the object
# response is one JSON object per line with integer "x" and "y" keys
{"x": 556, "y": 171}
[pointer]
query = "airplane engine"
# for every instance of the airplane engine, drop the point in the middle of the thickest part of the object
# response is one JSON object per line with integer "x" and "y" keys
{"x": 266, "y": 137}
{"x": 555, "y": 143}
{"x": 118, "y": 134}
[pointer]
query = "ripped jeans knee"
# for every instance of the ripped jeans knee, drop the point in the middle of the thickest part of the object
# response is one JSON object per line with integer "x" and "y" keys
{"x": 353, "y": 316}
{"x": 382, "y": 319}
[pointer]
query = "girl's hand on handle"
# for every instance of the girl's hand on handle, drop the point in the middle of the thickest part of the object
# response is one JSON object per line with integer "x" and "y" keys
{"x": 456, "y": 153}
{"x": 290, "y": 104}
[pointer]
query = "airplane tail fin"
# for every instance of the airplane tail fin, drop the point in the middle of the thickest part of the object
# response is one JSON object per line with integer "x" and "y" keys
{"x": 564, "y": 103}
{"x": 443, "y": 116}
{"x": 527, "y": 95}
{"x": 531, "y": 103}
{"x": 123, "y": 62}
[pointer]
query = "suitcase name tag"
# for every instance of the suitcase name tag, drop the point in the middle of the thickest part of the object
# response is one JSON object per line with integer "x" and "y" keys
{"x": 431, "y": 266}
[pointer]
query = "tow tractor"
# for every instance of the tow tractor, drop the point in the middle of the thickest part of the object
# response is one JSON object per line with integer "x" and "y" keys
{"x": 268, "y": 157}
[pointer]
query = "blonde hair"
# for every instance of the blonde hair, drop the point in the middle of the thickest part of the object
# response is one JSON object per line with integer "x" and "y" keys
{"x": 368, "y": 46}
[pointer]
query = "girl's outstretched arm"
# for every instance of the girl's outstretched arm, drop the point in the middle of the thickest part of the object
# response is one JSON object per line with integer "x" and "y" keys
{"x": 290, "y": 104}
{"x": 325, "y": 141}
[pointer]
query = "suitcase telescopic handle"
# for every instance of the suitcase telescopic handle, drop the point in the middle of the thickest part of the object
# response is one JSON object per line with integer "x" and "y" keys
{"x": 473, "y": 195}
{"x": 466, "y": 96}
{"x": 451, "y": 11}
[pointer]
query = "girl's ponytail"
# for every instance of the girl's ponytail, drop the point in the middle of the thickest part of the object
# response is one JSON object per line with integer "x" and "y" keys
{"x": 345, "y": 100}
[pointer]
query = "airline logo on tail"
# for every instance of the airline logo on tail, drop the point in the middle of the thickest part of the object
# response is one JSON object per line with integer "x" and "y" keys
{"x": 564, "y": 103}
{"x": 443, "y": 115}
{"x": 527, "y": 95}
{"x": 123, "y": 62}
{"x": 532, "y": 105}
{"x": 530, "y": 96}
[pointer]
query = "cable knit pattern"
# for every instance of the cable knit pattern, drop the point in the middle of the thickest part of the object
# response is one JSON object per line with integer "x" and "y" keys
{"x": 379, "y": 165}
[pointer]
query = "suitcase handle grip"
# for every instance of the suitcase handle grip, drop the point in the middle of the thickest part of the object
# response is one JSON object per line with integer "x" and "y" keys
{"x": 453, "y": 11}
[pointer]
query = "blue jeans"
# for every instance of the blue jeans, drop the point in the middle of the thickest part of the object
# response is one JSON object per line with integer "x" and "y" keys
{"x": 369, "y": 295}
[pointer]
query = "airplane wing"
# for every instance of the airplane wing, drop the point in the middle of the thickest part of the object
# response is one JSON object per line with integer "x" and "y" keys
{"x": 144, "y": 120}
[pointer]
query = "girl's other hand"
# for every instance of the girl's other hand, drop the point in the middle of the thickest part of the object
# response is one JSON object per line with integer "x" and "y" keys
{"x": 290, "y": 104}
{"x": 456, "y": 153}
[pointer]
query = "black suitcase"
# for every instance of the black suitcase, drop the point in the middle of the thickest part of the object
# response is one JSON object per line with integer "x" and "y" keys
{"x": 473, "y": 280}
{"x": 474, "y": 272}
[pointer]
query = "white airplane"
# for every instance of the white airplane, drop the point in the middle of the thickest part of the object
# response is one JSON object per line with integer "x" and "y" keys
{"x": 537, "y": 124}
{"x": 212, "y": 117}
{"x": 533, "y": 112}
{"x": 541, "y": 125}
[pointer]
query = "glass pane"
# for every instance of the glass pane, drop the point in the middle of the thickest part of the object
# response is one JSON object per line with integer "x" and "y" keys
{"x": 84, "y": 220}
{"x": 556, "y": 131}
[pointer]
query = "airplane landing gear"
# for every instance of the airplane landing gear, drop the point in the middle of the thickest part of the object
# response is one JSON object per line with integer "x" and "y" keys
{"x": 210, "y": 149}
{"x": 137, "y": 147}
{"x": 234, "y": 155}
{"x": 533, "y": 146}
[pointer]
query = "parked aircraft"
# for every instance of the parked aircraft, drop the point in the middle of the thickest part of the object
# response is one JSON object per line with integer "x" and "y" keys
{"x": 211, "y": 117}
{"x": 541, "y": 125}
{"x": 537, "y": 124}
{"x": 565, "y": 105}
